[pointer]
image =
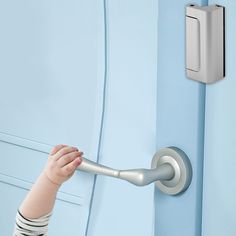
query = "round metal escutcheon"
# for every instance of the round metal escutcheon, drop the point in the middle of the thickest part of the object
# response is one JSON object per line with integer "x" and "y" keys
{"x": 181, "y": 166}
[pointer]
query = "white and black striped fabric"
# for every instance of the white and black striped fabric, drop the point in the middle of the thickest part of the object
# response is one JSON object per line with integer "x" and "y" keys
{"x": 31, "y": 227}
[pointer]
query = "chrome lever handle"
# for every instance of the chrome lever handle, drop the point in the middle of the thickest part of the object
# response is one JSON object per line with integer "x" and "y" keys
{"x": 171, "y": 170}
{"x": 139, "y": 177}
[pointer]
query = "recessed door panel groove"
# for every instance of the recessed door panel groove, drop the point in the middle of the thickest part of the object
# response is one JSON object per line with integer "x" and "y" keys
{"x": 19, "y": 183}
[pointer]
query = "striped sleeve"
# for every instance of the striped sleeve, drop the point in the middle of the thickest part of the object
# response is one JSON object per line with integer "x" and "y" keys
{"x": 31, "y": 227}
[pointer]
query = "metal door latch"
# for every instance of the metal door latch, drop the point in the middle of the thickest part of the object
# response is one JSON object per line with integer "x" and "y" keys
{"x": 170, "y": 170}
{"x": 205, "y": 43}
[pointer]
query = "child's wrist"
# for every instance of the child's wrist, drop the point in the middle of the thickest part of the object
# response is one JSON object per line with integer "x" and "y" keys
{"x": 52, "y": 182}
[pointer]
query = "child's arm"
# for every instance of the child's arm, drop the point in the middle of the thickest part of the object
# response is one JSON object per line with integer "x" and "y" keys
{"x": 61, "y": 165}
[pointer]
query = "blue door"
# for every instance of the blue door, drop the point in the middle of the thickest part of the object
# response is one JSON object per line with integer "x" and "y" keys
{"x": 84, "y": 74}
{"x": 109, "y": 78}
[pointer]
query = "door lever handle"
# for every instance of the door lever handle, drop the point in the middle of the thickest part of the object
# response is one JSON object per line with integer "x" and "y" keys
{"x": 139, "y": 177}
{"x": 170, "y": 169}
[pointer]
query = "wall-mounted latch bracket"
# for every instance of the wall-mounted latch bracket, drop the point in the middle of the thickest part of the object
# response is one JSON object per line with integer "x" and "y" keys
{"x": 205, "y": 43}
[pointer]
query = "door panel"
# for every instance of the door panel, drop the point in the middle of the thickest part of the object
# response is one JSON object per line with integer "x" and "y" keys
{"x": 52, "y": 60}
{"x": 180, "y": 121}
{"x": 219, "y": 162}
{"x": 129, "y": 134}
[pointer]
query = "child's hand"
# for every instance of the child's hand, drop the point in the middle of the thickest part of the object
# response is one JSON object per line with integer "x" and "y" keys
{"x": 62, "y": 162}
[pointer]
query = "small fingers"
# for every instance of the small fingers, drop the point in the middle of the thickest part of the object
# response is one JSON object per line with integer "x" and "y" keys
{"x": 64, "y": 151}
{"x": 57, "y": 148}
{"x": 69, "y": 169}
{"x": 66, "y": 159}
